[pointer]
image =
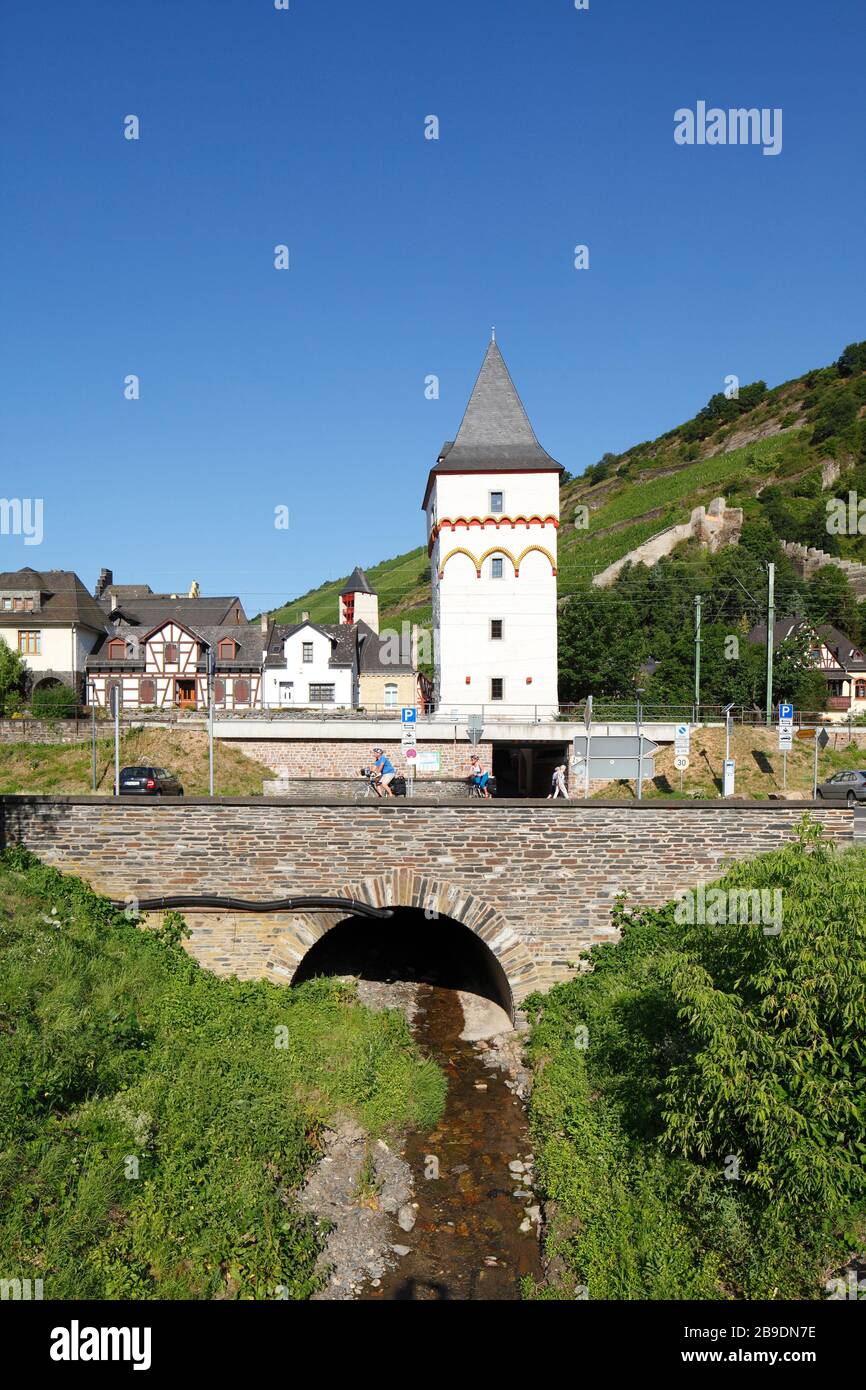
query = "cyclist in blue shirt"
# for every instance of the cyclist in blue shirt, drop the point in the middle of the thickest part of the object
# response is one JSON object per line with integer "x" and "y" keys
{"x": 385, "y": 769}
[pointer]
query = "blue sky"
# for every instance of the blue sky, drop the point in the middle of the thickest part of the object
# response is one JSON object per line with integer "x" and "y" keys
{"x": 305, "y": 388}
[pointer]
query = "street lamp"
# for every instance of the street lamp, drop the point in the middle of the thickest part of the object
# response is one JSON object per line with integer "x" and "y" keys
{"x": 639, "y": 691}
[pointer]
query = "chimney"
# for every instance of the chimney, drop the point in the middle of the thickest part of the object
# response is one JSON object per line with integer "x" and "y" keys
{"x": 265, "y": 622}
{"x": 105, "y": 579}
{"x": 305, "y": 617}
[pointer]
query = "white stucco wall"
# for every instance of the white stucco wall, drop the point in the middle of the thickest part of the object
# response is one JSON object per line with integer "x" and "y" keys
{"x": 62, "y": 650}
{"x": 464, "y": 604}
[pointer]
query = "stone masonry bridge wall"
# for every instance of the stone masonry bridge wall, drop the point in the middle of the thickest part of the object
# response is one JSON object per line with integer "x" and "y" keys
{"x": 535, "y": 880}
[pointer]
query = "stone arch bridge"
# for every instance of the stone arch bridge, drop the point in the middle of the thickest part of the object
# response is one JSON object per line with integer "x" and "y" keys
{"x": 536, "y": 881}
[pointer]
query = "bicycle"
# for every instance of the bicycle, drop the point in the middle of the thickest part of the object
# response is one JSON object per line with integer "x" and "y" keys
{"x": 372, "y": 780}
{"x": 476, "y": 791}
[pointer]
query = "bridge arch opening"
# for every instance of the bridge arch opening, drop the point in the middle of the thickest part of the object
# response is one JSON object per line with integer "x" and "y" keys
{"x": 411, "y": 947}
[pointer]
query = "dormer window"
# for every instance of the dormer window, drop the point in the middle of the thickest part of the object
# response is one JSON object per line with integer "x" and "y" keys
{"x": 308, "y": 651}
{"x": 116, "y": 649}
{"x": 227, "y": 649}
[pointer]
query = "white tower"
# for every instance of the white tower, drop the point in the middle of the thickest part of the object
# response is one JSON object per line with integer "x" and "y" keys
{"x": 492, "y": 505}
{"x": 359, "y": 602}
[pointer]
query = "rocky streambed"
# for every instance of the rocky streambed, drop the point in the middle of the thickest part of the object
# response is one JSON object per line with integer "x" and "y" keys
{"x": 453, "y": 1214}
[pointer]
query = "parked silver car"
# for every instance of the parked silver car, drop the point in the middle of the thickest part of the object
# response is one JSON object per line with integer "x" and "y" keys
{"x": 844, "y": 786}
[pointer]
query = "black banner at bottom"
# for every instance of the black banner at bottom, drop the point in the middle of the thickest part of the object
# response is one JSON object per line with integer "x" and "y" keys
{"x": 83, "y": 1339}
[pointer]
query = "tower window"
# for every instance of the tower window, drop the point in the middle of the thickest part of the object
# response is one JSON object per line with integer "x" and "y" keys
{"x": 496, "y": 687}
{"x": 496, "y": 629}
{"x": 496, "y": 567}
{"x": 496, "y": 502}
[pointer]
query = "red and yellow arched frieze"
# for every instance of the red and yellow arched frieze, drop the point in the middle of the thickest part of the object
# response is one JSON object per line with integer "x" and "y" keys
{"x": 484, "y": 521}
{"x": 478, "y": 561}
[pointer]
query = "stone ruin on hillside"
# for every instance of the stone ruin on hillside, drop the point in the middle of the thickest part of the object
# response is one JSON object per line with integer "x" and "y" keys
{"x": 712, "y": 526}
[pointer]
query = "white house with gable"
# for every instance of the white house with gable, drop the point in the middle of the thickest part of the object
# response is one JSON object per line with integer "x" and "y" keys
{"x": 311, "y": 664}
{"x": 492, "y": 505}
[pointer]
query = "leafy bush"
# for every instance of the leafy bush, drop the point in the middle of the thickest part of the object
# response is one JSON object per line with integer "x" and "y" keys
{"x": 709, "y": 1140}
{"x": 53, "y": 702}
{"x": 12, "y": 670}
{"x": 154, "y": 1119}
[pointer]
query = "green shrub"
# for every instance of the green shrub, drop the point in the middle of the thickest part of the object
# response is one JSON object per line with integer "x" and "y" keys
{"x": 709, "y": 1140}
{"x": 53, "y": 702}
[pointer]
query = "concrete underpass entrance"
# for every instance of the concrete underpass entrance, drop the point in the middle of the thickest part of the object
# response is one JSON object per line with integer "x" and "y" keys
{"x": 526, "y": 769}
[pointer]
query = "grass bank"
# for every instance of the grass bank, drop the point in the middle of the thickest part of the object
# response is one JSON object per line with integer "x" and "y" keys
{"x": 699, "y": 1106}
{"x": 154, "y": 1119}
{"x": 760, "y": 770}
{"x": 64, "y": 769}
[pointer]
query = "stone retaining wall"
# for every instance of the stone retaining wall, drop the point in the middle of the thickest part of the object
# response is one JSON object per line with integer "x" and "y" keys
{"x": 312, "y": 789}
{"x": 49, "y": 730}
{"x": 340, "y": 758}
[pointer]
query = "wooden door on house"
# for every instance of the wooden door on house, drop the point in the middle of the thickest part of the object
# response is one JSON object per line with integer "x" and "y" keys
{"x": 184, "y": 694}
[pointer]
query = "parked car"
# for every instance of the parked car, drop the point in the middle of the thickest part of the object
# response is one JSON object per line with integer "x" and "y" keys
{"x": 844, "y": 786}
{"x": 148, "y": 781}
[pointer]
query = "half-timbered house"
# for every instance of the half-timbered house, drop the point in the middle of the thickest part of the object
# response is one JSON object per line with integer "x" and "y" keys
{"x": 157, "y": 649}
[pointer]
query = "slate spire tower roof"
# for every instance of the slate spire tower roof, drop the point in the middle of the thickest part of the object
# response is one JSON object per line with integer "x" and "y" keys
{"x": 495, "y": 435}
{"x": 358, "y": 583}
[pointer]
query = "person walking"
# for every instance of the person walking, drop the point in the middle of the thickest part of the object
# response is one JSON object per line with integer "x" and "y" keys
{"x": 559, "y": 786}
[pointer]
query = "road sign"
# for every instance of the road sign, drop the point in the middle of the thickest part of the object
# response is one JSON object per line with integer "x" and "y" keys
{"x": 681, "y": 762}
{"x": 786, "y": 737}
{"x": 409, "y": 714}
{"x": 823, "y": 739}
{"x": 615, "y": 756}
{"x": 786, "y": 713}
{"x": 410, "y": 752}
{"x": 475, "y": 728}
{"x": 587, "y": 713}
{"x": 408, "y": 735}
{"x": 805, "y": 733}
{"x": 682, "y": 737}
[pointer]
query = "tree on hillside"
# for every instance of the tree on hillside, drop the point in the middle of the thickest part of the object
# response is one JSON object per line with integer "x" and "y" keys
{"x": 830, "y": 599}
{"x": 794, "y": 675}
{"x": 601, "y": 647}
{"x": 852, "y": 360}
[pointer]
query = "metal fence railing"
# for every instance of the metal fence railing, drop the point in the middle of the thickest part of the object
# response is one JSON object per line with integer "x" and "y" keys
{"x": 604, "y": 712}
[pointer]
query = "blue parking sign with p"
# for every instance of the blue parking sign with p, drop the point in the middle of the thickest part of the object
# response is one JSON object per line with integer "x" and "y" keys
{"x": 786, "y": 713}
{"x": 410, "y": 714}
